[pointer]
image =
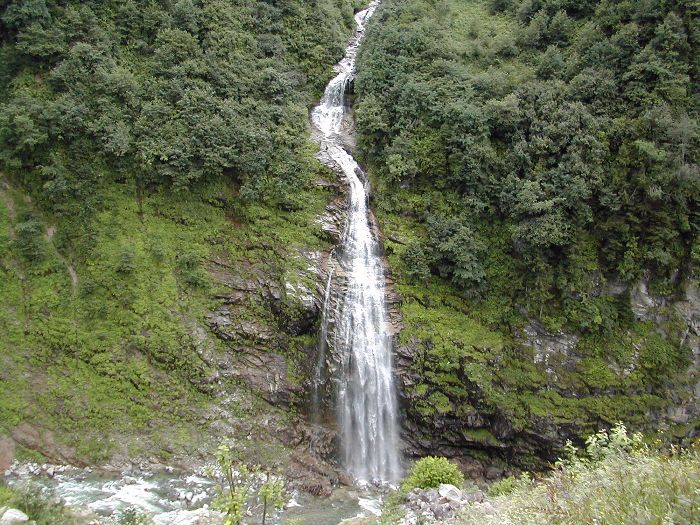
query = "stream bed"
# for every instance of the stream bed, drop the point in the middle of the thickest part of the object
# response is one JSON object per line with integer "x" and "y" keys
{"x": 176, "y": 498}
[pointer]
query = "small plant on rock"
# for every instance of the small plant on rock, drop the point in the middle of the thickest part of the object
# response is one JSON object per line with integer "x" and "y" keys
{"x": 235, "y": 487}
{"x": 272, "y": 495}
{"x": 132, "y": 516}
{"x": 431, "y": 472}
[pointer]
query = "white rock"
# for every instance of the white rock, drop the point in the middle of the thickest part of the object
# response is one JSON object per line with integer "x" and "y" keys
{"x": 188, "y": 517}
{"x": 12, "y": 516}
{"x": 450, "y": 492}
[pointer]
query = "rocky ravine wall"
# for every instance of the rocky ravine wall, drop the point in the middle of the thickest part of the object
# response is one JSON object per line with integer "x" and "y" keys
{"x": 269, "y": 319}
{"x": 489, "y": 439}
{"x": 486, "y": 438}
{"x": 268, "y": 358}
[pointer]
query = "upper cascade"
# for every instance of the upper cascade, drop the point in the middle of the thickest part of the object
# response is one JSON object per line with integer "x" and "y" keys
{"x": 367, "y": 407}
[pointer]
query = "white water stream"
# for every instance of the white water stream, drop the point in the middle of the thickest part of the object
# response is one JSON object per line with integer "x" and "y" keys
{"x": 367, "y": 410}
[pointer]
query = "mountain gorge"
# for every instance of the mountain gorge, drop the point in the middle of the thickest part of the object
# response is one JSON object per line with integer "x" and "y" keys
{"x": 167, "y": 232}
{"x": 160, "y": 199}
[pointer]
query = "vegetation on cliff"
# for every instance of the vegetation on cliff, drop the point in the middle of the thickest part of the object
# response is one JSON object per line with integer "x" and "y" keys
{"x": 532, "y": 161}
{"x": 144, "y": 146}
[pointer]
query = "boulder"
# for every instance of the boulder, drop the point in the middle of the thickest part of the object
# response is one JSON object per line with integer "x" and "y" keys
{"x": 442, "y": 512}
{"x": 12, "y": 516}
{"x": 431, "y": 495}
{"x": 450, "y": 492}
{"x": 474, "y": 497}
{"x": 409, "y": 519}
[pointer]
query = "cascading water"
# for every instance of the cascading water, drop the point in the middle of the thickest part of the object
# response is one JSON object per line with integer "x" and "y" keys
{"x": 365, "y": 396}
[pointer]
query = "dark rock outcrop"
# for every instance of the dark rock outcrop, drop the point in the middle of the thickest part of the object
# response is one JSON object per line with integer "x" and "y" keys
{"x": 495, "y": 438}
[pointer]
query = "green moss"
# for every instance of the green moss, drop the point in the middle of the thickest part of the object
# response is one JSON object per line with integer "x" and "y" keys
{"x": 481, "y": 435}
{"x": 118, "y": 355}
{"x": 596, "y": 373}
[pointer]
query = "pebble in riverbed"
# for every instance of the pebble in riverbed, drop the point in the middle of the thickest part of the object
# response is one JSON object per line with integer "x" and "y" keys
{"x": 436, "y": 505}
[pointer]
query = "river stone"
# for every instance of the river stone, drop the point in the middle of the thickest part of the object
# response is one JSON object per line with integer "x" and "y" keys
{"x": 12, "y": 516}
{"x": 409, "y": 519}
{"x": 442, "y": 512}
{"x": 431, "y": 495}
{"x": 450, "y": 492}
{"x": 201, "y": 516}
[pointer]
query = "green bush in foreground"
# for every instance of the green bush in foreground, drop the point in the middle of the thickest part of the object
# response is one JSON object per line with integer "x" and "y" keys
{"x": 430, "y": 472}
{"x": 616, "y": 479}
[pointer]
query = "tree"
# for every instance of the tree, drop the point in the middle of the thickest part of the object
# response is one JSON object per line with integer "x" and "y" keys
{"x": 234, "y": 490}
{"x": 272, "y": 494}
{"x": 22, "y": 13}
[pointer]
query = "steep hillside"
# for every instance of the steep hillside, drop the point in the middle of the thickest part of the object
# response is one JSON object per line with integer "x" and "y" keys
{"x": 535, "y": 170}
{"x": 164, "y": 224}
{"x": 158, "y": 205}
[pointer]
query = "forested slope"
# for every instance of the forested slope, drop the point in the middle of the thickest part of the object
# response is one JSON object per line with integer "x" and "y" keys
{"x": 155, "y": 156}
{"x": 535, "y": 170}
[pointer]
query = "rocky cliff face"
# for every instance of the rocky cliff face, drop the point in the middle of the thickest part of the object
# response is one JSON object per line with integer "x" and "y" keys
{"x": 268, "y": 316}
{"x": 574, "y": 386}
{"x": 507, "y": 399}
{"x": 525, "y": 398}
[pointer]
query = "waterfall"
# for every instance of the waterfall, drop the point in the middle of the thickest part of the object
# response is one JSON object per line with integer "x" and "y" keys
{"x": 366, "y": 403}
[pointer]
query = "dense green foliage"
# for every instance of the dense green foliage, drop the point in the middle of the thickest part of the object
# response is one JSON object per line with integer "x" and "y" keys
{"x": 144, "y": 146}
{"x": 431, "y": 472}
{"x": 567, "y": 128}
{"x": 532, "y": 161}
{"x": 162, "y": 93}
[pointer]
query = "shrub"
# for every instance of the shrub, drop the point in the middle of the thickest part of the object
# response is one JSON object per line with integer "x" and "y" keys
{"x": 30, "y": 242}
{"x": 126, "y": 260}
{"x": 510, "y": 484}
{"x": 40, "y": 506}
{"x": 132, "y": 516}
{"x": 190, "y": 265}
{"x": 431, "y": 472}
{"x": 615, "y": 479}
{"x": 417, "y": 262}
